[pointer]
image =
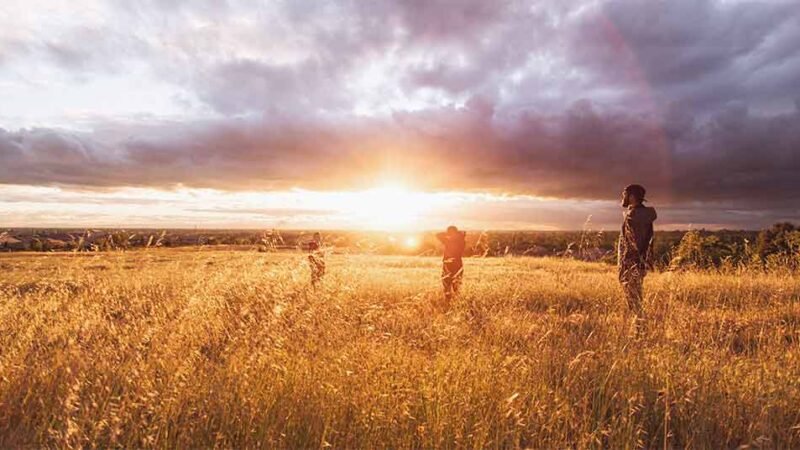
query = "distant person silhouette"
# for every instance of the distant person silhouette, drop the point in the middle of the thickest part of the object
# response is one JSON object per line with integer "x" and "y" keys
{"x": 316, "y": 259}
{"x": 454, "y": 242}
{"x": 635, "y": 248}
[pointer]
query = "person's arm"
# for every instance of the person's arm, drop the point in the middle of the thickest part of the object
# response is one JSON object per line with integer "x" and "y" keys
{"x": 309, "y": 244}
{"x": 442, "y": 237}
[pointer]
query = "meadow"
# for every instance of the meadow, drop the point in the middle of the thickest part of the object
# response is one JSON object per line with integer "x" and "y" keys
{"x": 190, "y": 348}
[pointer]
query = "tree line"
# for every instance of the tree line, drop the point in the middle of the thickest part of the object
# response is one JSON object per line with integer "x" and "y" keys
{"x": 773, "y": 247}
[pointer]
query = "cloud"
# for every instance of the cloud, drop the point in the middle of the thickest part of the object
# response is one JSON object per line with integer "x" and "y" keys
{"x": 695, "y": 99}
{"x": 303, "y": 56}
{"x": 702, "y": 53}
{"x": 584, "y": 153}
{"x": 252, "y": 85}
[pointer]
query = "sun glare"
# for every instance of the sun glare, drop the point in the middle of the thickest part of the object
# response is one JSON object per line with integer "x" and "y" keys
{"x": 390, "y": 207}
{"x": 411, "y": 242}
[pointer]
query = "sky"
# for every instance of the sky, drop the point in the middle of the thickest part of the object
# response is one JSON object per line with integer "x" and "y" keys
{"x": 389, "y": 114}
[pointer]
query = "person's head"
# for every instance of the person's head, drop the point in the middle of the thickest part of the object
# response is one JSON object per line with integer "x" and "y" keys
{"x": 633, "y": 195}
{"x": 317, "y": 236}
{"x": 452, "y": 229}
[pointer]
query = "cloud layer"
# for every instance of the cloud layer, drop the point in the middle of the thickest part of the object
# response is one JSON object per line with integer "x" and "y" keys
{"x": 582, "y": 153}
{"x": 696, "y": 99}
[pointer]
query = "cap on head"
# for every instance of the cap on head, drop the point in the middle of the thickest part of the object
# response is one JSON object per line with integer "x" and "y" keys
{"x": 636, "y": 190}
{"x": 452, "y": 229}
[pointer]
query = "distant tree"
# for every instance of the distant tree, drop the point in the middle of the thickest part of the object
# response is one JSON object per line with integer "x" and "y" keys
{"x": 689, "y": 251}
{"x": 779, "y": 239}
{"x": 704, "y": 250}
{"x": 793, "y": 241}
{"x": 36, "y": 245}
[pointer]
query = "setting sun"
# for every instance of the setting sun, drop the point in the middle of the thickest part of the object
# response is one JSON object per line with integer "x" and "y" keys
{"x": 390, "y": 207}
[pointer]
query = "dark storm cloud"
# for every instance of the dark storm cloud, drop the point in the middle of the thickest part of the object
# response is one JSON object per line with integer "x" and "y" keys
{"x": 695, "y": 98}
{"x": 585, "y": 153}
{"x": 704, "y": 53}
{"x": 42, "y": 156}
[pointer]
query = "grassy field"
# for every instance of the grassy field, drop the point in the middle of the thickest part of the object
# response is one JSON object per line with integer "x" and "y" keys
{"x": 188, "y": 348}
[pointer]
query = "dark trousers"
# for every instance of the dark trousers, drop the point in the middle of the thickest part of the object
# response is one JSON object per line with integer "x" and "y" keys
{"x": 631, "y": 277}
{"x": 452, "y": 273}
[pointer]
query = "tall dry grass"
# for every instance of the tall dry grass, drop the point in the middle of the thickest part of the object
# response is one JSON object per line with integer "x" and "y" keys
{"x": 219, "y": 349}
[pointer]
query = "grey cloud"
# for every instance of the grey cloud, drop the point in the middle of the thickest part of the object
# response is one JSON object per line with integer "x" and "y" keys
{"x": 343, "y": 39}
{"x": 704, "y": 53}
{"x": 701, "y": 53}
{"x": 334, "y": 42}
{"x": 90, "y": 49}
{"x": 251, "y": 85}
{"x": 447, "y": 77}
{"x": 699, "y": 96}
{"x": 585, "y": 153}
{"x": 43, "y": 156}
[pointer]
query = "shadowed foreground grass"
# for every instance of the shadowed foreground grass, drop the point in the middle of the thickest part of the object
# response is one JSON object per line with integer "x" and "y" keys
{"x": 212, "y": 348}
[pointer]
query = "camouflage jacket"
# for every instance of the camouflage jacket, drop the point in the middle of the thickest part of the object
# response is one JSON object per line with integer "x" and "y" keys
{"x": 636, "y": 239}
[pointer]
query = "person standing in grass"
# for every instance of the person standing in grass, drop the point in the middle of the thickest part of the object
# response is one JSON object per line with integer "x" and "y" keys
{"x": 635, "y": 248}
{"x": 454, "y": 242}
{"x": 316, "y": 259}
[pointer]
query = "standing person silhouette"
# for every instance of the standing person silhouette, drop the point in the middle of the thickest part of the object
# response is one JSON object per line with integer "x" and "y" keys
{"x": 454, "y": 242}
{"x": 316, "y": 259}
{"x": 635, "y": 249}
